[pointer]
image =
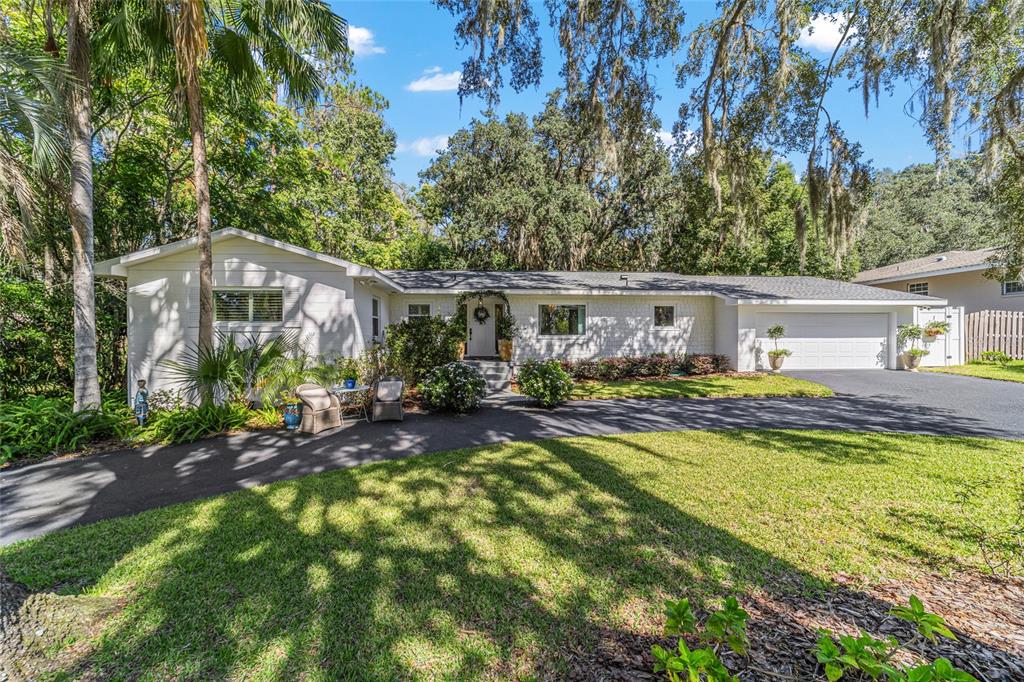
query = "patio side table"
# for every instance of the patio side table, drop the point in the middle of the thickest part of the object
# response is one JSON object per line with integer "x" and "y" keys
{"x": 352, "y": 399}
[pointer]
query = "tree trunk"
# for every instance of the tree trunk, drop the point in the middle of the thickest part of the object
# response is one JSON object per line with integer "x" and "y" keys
{"x": 79, "y": 106}
{"x": 201, "y": 180}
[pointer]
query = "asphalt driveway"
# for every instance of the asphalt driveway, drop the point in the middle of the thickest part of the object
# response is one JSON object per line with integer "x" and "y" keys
{"x": 44, "y": 497}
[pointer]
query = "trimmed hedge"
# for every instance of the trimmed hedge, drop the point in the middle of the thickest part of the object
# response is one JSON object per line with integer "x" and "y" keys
{"x": 644, "y": 366}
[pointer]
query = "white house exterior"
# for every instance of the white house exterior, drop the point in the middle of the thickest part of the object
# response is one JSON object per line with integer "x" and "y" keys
{"x": 957, "y": 276}
{"x": 341, "y": 308}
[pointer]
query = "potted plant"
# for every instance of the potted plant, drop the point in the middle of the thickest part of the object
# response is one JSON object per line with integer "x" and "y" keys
{"x": 350, "y": 373}
{"x": 933, "y": 329}
{"x": 507, "y": 330}
{"x": 291, "y": 409}
{"x": 911, "y": 333}
{"x": 777, "y": 355}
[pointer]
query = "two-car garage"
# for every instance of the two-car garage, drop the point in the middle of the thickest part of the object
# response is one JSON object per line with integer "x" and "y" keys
{"x": 821, "y": 340}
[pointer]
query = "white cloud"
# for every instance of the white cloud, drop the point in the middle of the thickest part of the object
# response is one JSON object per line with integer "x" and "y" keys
{"x": 666, "y": 137}
{"x": 361, "y": 42}
{"x": 425, "y": 146}
{"x": 824, "y": 32}
{"x": 669, "y": 140}
{"x": 435, "y": 79}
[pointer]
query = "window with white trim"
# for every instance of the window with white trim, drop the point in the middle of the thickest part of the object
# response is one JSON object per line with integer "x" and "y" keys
{"x": 248, "y": 305}
{"x": 375, "y": 317}
{"x": 418, "y": 310}
{"x": 562, "y": 320}
{"x": 918, "y": 288}
{"x": 1013, "y": 288}
{"x": 664, "y": 316}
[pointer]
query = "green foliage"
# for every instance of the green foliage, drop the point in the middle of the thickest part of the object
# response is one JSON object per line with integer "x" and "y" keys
{"x": 776, "y": 332}
{"x": 908, "y": 332}
{"x": 546, "y": 382}
{"x": 231, "y": 370}
{"x": 455, "y": 387}
{"x": 186, "y": 423}
{"x": 928, "y": 624}
{"x": 726, "y": 626}
{"x": 915, "y": 213}
{"x": 37, "y": 340}
{"x": 38, "y": 426}
{"x": 419, "y": 344}
{"x": 872, "y": 657}
{"x": 917, "y": 352}
{"x": 779, "y": 353}
{"x": 995, "y": 356}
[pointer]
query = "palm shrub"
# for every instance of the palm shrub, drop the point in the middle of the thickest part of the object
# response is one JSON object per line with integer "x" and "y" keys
{"x": 455, "y": 386}
{"x": 546, "y": 382}
{"x": 231, "y": 370}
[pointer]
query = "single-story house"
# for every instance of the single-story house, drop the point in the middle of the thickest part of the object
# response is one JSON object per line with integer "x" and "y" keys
{"x": 266, "y": 286}
{"x": 957, "y": 276}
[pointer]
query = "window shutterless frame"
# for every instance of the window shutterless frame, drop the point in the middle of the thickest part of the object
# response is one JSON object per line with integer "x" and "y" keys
{"x": 248, "y": 304}
{"x": 418, "y": 310}
{"x": 561, "y": 319}
{"x": 664, "y": 316}
{"x": 375, "y": 317}
{"x": 1013, "y": 288}
{"x": 918, "y": 288}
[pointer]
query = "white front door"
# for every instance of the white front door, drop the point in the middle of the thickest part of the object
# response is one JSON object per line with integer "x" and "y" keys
{"x": 481, "y": 334}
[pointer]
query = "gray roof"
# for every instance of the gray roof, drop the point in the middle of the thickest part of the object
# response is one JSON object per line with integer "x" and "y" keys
{"x": 739, "y": 287}
{"x": 936, "y": 262}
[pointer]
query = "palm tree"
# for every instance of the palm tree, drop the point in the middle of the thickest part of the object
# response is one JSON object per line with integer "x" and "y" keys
{"x": 249, "y": 41}
{"x": 78, "y": 100}
{"x": 30, "y": 121}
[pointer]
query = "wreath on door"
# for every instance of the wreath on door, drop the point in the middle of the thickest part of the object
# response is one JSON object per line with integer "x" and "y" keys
{"x": 480, "y": 314}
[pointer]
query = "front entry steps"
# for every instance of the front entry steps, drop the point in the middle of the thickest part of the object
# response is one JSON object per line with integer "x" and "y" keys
{"x": 497, "y": 373}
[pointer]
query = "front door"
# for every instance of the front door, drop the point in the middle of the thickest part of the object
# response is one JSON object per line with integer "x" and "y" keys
{"x": 480, "y": 333}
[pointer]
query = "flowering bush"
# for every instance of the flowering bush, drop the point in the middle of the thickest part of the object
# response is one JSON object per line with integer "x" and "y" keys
{"x": 546, "y": 382}
{"x": 456, "y": 386}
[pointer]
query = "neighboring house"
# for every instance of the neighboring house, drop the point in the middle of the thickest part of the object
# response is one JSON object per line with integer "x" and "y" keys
{"x": 957, "y": 276}
{"x": 340, "y": 308}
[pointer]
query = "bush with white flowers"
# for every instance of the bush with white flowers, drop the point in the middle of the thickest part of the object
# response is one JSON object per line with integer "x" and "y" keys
{"x": 456, "y": 386}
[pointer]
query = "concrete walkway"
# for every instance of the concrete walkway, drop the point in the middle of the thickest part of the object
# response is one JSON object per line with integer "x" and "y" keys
{"x": 41, "y": 498}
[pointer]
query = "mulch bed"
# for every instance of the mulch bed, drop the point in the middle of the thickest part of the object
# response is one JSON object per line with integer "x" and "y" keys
{"x": 986, "y": 613}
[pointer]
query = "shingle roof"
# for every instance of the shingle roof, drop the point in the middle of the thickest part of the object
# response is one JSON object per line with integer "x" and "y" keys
{"x": 936, "y": 262}
{"x": 739, "y": 287}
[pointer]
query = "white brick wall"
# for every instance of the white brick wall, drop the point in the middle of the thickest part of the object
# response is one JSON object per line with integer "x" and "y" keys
{"x": 617, "y": 326}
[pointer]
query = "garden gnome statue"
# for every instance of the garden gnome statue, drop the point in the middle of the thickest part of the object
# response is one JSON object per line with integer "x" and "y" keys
{"x": 141, "y": 406}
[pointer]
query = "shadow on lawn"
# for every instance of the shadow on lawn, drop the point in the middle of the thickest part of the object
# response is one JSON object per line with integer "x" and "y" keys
{"x": 464, "y": 564}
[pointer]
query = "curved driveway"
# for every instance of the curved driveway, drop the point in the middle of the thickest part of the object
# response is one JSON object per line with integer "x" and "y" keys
{"x": 44, "y": 497}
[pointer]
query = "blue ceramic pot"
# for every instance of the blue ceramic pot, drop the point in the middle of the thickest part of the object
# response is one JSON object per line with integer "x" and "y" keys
{"x": 350, "y": 383}
{"x": 292, "y": 416}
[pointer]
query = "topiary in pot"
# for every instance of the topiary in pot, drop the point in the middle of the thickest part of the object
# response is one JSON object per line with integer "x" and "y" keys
{"x": 777, "y": 355}
{"x": 456, "y": 387}
{"x": 912, "y": 356}
{"x": 546, "y": 382}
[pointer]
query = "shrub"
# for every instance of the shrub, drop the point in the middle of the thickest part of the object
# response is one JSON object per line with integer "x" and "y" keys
{"x": 995, "y": 356}
{"x": 546, "y": 382}
{"x": 455, "y": 386}
{"x": 420, "y": 344}
{"x": 705, "y": 363}
{"x": 231, "y": 370}
{"x": 38, "y": 426}
{"x": 186, "y": 424}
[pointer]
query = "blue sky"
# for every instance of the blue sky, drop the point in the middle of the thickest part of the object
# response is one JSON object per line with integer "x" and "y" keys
{"x": 406, "y": 50}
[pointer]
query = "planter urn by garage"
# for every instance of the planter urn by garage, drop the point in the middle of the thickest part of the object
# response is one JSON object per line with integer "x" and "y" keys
{"x": 775, "y": 361}
{"x": 912, "y": 362}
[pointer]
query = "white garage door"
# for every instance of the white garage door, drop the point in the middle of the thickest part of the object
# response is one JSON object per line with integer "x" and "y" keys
{"x": 827, "y": 340}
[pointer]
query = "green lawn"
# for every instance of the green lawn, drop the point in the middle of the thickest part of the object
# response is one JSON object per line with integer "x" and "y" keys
{"x": 1012, "y": 371}
{"x": 486, "y": 562}
{"x": 728, "y": 386}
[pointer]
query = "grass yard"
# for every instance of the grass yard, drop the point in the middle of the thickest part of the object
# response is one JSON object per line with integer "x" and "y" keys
{"x": 725, "y": 386}
{"x": 1012, "y": 371}
{"x": 487, "y": 562}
